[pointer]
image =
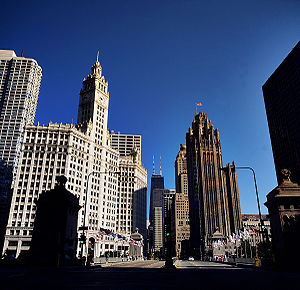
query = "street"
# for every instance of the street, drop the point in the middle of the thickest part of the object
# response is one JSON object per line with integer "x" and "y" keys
{"x": 148, "y": 275}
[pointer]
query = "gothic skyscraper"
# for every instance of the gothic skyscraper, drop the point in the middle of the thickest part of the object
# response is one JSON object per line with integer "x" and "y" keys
{"x": 213, "y": 196}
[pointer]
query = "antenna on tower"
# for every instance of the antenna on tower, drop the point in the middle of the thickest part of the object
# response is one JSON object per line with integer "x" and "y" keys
{"x": 160, "y": 166}
{"x": 98, "y": 56}
{"x": 153, "y": 166}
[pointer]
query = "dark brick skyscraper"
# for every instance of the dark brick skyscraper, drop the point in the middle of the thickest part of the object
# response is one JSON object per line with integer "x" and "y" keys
{"x": 282, "y": 101}
{"x": 212, "y": 189}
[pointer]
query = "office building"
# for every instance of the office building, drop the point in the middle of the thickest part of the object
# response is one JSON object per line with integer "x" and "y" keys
{"x": 82, "y": 153}
{"x": 181, "y": 179}
{"x": 180, "y": 215}
{"x": 132, "y": 194}
{"x": 208, "y": 186}
{"x": 168, "y": 200}
{"x": 125, "y": 143}
{"x": 282, "y": 101}
{"x": 180, "y": 222}
{"x": 20, "y": 80}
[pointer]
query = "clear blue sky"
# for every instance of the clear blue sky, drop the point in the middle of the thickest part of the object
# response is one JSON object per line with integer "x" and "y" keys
{"x": 160, "y": 57}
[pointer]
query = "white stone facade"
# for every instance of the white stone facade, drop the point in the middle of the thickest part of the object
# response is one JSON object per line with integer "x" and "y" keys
{"x": 132, "y": 205}
{"x": 83, "y": 154}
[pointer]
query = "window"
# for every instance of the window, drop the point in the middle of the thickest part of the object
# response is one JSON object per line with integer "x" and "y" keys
{"x": 25, "y": 243}
{"x": 12, "y": 243}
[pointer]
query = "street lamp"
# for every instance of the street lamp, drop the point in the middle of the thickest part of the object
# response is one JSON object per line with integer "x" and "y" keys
{"x": 257, "y": 198}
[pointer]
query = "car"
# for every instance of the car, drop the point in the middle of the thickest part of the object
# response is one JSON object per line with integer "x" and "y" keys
{"x": 191, "y": 259}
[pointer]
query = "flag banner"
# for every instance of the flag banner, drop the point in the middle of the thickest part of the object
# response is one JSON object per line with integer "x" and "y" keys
{"x": 199, "y": 104}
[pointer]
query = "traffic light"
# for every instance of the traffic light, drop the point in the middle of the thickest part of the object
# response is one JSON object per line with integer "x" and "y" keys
{"x": 82, "y": 239}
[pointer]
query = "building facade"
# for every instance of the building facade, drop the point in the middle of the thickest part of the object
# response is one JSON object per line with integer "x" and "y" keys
{"x": 207, "y": 185}
{"x": 125, "y": 143}
{"x": 181, "y": 178}
{"x": 281, "y": 95}
{"x": 180, "y": 215}
{"x": 82, "y": 153}
{"x": 20, "y": 80}
{"x": 180, "y": 222}
{"x": 132, "y": 194}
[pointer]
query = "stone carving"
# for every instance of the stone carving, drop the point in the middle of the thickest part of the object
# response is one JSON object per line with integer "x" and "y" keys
{"x": 286, "y": 174}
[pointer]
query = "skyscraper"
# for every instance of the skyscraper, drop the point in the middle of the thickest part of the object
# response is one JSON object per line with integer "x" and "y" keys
{"x": 20, "y": 80}
{"x": 82, "y": 153}
{"x": 180, "y": 214}
{"x": 157, "y": 182}
{"x": 207, "y": 185}
{"x": 180, "y": 221}
{"x": 281, "y": 95}
{"x": 181, "y": 179}
{"x": 124, "y": 143}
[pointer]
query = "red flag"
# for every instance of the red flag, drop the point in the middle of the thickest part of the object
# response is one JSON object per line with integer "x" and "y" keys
{"x": 198, "y": 104}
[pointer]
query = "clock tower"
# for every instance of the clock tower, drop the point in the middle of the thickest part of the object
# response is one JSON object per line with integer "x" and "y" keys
{"x": 93, "y": 104}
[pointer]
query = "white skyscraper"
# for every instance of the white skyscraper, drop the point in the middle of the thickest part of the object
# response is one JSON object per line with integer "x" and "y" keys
{"x": 20, "y": 80}
{"x": 82, "y": 153}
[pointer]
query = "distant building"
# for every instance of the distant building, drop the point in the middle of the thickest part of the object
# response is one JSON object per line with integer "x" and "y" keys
{"x": 125, "y": 143}
{"x": 180, "y": 222}
{"x": 163, "y": 199}
{"x": 213, "y": 195}
{"x": 132, "y": 205}
{"x": 180, "y": 215}
{"x": 251, "y": 223}
{"x": 168, "y": 200}
{"x": 282, "y": 101}
{"x": 157, "y": 182}
{"x": 181, "y": 178}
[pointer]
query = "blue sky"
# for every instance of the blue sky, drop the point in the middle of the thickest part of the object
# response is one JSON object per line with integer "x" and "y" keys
{"x": 160, "y": 58}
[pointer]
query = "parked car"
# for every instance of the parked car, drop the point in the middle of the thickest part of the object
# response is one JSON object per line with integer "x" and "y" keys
{"x": 191, "y": 259}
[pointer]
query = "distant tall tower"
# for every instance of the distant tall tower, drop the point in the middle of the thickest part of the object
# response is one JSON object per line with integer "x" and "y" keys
{"x": 282, "y": 101}
{"x": 180, "y": 216}
{"x": 157, "y": 181}
{"x": 181, "y": 179}
{"x": 208, "y": 193}
{"x": 20, "y": 80}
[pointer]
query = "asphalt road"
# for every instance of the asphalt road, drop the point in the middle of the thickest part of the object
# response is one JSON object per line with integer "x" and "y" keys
{"x": 201, "y": 265}
{"x": 148, "y": 275}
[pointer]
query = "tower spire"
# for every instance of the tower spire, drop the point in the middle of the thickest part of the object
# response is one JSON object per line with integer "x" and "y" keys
{"x": 160, "y": 166}
{"x": 98, "y": 56}
{"x": 153, "y": 166}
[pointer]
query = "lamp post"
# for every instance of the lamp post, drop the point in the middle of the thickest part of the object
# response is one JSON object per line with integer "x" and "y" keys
{"x": 84, "y": 227}
{"x": 257, "y": 198}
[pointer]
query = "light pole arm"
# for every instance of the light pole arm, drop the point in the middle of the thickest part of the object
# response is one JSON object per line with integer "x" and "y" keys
{"x": 257, "y": 198}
